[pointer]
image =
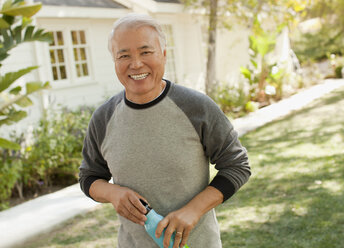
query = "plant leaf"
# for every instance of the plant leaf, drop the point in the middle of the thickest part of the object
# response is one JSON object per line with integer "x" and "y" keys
{"x": 7, "y": 40}
{"x": 254, "y": 63}
{"x": 9, "y": 19}
{"x": 22, "y": 10}
{"x": 3, "y": 23}
{"x": 246, "y": 72}
{"x": 17, "y": 34}
{"x": 13, "y": 117}
{"x": 16, "y": 90}
{"x": 24, "y": 102}
{"x": 4, "y": 143}
{"x": 35, "y": 86}
{"x": 28, "y": 33}
{"x": 10, "y": 77}
{"x": 6, "y": 5}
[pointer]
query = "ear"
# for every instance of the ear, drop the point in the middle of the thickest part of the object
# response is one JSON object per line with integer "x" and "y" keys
{"x": 164, "y": 54}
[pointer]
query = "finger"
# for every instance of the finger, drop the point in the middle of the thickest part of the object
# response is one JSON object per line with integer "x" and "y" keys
{"x": 178, "y": 237}
{"x": 185, "y": 238}
{"x": 135, "y": 212}
{"x": 123, "y": 211}
{"x": 168, "y": 234}
{"x": 136, "y": 220}
{"x": 136, "y": 202}
{"x": 161, "y": 226}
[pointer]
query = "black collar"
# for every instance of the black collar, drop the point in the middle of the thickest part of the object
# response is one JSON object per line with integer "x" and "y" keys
{"x": 151, "y": 103}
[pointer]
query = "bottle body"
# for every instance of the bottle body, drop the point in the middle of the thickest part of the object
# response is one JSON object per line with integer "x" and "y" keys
{"x": 151, "y": 224}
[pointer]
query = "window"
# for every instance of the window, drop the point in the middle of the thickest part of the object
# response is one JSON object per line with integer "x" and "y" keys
{"x": 170, "y": 68}
{"x": 69, "y": 55}
{"x": 79, "y": 51}
{"x": 57, "y": 56}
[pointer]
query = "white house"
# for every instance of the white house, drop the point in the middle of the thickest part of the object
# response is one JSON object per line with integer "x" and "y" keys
{"x": 79, "y": 67}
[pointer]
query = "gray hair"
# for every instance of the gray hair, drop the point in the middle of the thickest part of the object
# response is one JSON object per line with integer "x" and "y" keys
{"x": 135, "y": 20}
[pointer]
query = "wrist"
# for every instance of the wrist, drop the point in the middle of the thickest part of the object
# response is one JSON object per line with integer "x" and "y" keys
{"x": 205, "y": 201}
{"x": 103, "y": 191}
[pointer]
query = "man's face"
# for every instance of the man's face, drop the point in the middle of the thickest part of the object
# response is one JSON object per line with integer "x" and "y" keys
{"x": 139, "y": 62}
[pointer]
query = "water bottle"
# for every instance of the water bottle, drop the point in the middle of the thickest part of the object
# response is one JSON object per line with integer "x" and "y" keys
{"x": 153, "y": 219}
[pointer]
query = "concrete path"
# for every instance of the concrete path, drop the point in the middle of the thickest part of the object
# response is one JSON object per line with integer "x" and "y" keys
{"x": 284, "y": 107}
{"x": 43, "y": 213}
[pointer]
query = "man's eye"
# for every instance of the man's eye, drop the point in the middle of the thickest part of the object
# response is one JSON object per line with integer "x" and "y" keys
{"x": 123, "y": 56}
{"x": 146, "y": 52}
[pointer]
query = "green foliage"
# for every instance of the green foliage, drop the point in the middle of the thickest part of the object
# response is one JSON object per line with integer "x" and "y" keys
{"x": 316, "y": 46}
{"x": 10, "y": 172}
{"x": 51, "y": 157}
{"x": 231, "y": 99}
{"x": 15, "y": 29}
{"x": 265, "y": 77}
{"x": 19, "y": 8}
{"x": 245, "y": 11}
{"x": 251, "y": 106}
{"x": 338, "y": 71}
{"x": 58, "y": 143}
{"x": 261, "y": 73}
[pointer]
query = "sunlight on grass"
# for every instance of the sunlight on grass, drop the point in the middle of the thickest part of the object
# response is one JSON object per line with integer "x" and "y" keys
{"x": 295, "y": 195}
{"x": 332, "y": 186}
{"x": 247, "y": 216}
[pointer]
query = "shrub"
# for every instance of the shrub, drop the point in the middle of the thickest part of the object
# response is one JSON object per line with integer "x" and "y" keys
{"x": 10, "y": 169}
{"x": 51, "y": 158}
{"x": 338, "y": 71}
{"x": 317, "y": 46}
{"x": 56, "y": 152}
{"x": 231, "y": 99}
{"x": 16, "y": 29}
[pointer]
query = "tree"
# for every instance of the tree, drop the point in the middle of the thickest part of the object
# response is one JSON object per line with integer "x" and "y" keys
{"x": 212, "y": 13}
{"x": 210, "y": 81}
{"x": 329, "y": 38}
{"x": 15, "y": 29}
{"x": 223, "y": 12}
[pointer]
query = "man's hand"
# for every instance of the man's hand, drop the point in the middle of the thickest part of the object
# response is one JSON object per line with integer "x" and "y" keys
{"x": 181, "y": 222}
{"x": 125, "y": 201}
{"x": 185, "y": 219}
{"x": 127, "y": 204}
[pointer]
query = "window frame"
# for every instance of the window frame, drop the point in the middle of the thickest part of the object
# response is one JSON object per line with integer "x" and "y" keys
{"x": 170, "y": 50}
{"x": 72, "y": 78}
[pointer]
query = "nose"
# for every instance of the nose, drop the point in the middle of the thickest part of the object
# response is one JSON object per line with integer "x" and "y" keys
{"x": 136, "y": 62}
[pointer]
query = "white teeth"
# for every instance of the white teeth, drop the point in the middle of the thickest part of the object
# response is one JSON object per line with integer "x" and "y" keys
{"x": 139, "y": 76}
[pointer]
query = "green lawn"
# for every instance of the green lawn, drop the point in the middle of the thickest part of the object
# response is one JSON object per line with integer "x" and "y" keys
{"x": 293, "y": 199}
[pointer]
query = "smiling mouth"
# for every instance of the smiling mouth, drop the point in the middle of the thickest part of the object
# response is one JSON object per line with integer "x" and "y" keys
{"x": 139, "y": 76}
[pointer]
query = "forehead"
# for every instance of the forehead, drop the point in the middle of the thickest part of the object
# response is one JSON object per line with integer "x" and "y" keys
{"x": 127, "y": 37}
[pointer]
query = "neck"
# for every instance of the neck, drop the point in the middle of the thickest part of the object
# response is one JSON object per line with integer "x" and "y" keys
{"x": 148, "y": 97}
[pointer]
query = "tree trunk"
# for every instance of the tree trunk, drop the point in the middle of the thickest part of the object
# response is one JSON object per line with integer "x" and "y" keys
{"x": 210, "y": 82}
{"x": 19, "y": 186}
{"x": 262, "y": 83}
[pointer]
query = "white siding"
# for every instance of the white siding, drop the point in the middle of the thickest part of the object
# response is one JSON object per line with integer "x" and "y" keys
{"x": 102, "y": 82}
{"x": 189, "y": 54}
{"x": 22, "y": 57}
{"x": 231, "y": 52}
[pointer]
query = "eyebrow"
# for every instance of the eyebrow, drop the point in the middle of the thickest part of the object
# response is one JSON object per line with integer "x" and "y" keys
{"x": 145, "y": 47}
{"x": 122, "y": 51}
{"x": 125, "y": 50}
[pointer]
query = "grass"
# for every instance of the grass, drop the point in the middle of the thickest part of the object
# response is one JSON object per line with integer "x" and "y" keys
{"x": 293, "y": 199}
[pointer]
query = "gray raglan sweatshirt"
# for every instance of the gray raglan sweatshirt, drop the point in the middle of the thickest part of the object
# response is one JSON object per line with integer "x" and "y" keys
{"x": 162, "y": 151}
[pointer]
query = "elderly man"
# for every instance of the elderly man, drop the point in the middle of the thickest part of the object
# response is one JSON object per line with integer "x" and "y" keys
{"x": 156, "y": 139}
